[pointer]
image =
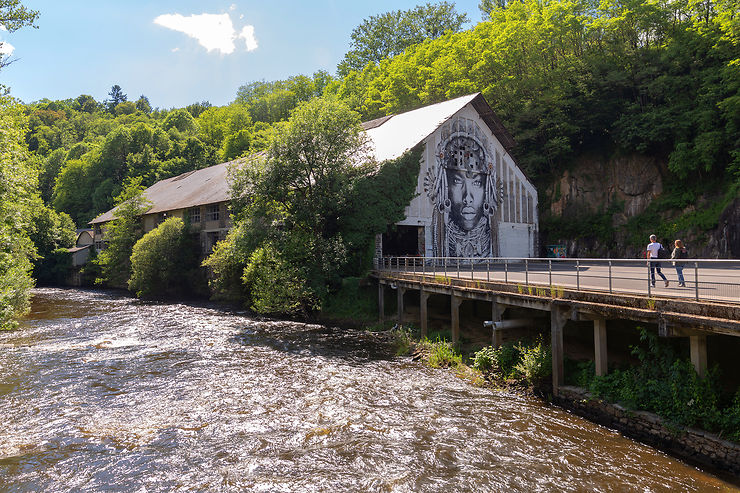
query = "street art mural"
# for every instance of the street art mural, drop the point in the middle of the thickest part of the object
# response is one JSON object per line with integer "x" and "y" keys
{"x": 465, "y": 192}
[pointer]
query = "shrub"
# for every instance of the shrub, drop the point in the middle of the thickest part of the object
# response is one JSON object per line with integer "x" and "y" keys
{"x": 535, "y": 363}
{"x": 485, "y": 359}
{"x": 440, "y": 353}
{"x": 275, "y": 286}
{"x": 669, "y": 386}
{"x": 161, "y": 260}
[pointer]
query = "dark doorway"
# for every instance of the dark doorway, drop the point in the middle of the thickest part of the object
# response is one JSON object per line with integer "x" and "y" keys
{"x": 403, "y": 241}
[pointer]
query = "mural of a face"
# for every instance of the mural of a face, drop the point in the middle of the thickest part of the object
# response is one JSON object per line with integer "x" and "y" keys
{"x": 463, "y": 188}
{"x": 466, "y": 191}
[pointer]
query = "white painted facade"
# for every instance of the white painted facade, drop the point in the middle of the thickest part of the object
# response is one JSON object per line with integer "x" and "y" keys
{"x": 515, "y": 221}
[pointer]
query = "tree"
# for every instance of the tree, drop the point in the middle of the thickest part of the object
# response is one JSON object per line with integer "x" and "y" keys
{"x": 121, "y": 235}
{"x": 181, "y": 120}
{"x": 311, "y": 162}
{"x": 295, "y": 199}
{"x": 488, "y": 6}
{"x": 115, "y": 97}
{"x": 14, "y": 16}
{"x": 52, "y": 233}
{"x": 18, "y": 197}
{"x": 162, "y": 260}
{"x": 86, "y": 103}
{"x": 142, "y": 104}
{"x": 389, "y": 34}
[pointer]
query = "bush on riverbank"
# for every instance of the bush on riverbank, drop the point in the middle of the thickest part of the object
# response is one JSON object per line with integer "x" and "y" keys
{"x": 163, "y": 261}
{"x": 529, "y": 362}
{"x": 667, "y": 385}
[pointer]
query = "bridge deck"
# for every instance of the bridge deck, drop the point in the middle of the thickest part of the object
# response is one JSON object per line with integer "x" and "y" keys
{"x": 589, "y": 289}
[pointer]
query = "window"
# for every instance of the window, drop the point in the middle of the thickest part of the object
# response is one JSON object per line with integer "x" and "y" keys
{"x": 194, "y": 213}
{"x": 213, "y": 213}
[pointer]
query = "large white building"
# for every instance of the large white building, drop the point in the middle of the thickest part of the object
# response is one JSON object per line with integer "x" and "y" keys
{"x": 472, "y": 200}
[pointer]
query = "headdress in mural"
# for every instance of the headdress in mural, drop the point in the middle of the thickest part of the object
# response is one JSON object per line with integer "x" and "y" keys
{"x": 465, "y": 191}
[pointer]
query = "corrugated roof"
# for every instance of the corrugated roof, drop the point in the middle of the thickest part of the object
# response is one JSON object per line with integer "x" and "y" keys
{"x": 394, "y": 135}
{"x": 200, "y": 187}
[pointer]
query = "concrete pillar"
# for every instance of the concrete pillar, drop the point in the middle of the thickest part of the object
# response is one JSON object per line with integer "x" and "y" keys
{"x": 600, "y": 346}
{"x": 455, "y": 302}
{"x": 423, "y": 298}
{"x": 496, "y": 313}
{"x": 401, "y": 292}
{"x": 381, "y": 303}
{"x": 699, "y": 354}
{"x": 557, "y": 322}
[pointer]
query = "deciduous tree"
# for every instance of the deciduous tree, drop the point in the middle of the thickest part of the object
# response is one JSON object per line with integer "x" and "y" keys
{"x": 387, "y": 35}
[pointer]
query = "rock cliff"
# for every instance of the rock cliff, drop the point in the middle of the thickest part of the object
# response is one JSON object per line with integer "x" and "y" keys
{"x": 624, "y": 187}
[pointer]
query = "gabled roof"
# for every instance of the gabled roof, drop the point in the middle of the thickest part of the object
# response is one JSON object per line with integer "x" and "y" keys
{"x": 393, "y": 135}
{"x": 191, "y": 189}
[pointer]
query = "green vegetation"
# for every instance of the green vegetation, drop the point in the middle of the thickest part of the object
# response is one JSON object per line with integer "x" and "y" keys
{"x": 307, "y": 211}
{"x": 356, "y": 299}
{"x": 440, "y": 353}
{"x": 122, "y": 233}
{"x": 530, "y": 362}
{"x": 163, "y": 261}
{"x": 17, "y": 192}
{"x": 667, "y": 385}
{"x": 389, "y": 34}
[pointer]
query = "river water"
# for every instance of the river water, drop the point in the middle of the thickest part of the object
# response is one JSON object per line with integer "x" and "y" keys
{"x": 103, "y": 392}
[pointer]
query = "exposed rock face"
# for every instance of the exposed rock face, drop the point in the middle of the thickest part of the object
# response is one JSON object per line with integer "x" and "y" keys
{"x": 725, "y": 240}
{"x": 594, "y": 184}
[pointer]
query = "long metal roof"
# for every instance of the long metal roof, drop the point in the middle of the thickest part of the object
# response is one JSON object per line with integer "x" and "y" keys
{"x": 191, "y": 189}
{"x": 390, "y": 136}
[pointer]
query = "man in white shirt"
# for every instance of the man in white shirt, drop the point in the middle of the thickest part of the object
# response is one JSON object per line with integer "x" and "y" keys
{"x": 652, "y": 253}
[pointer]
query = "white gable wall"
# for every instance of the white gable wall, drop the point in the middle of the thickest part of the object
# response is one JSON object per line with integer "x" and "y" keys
{"x": 516, "y": 217}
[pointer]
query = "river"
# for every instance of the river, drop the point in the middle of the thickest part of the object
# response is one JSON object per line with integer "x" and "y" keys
{"x": 103, "y": 392}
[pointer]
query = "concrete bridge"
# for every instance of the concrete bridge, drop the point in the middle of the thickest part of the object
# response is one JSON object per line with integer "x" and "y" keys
{"x": 593, "y": 290}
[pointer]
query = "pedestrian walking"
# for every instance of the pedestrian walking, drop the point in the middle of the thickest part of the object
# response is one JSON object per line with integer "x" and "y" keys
{"x": 679, "y": 252}
{"x": 653, "y": 254}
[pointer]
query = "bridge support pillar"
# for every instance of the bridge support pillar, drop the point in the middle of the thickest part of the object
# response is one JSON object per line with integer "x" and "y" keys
{"x": 381, "y": 303}
{"x": 455, "y": 302}
{"x": 699, "y": 353}
{"x": 600, "y": 355}
{"x": 401, "y": 292}
{"x": 423, "y": 316}
{"x": 558, "y": 317}
{"x": 496, "y": 316}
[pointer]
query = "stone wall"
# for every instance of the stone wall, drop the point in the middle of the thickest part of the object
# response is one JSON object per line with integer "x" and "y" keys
{"x": 693, "y": 445}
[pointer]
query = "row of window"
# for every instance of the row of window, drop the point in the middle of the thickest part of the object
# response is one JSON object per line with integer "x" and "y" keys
{"x": 213, "y": 213}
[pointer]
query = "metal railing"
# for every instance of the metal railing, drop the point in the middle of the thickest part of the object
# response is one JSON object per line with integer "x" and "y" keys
{"x": 704, "y": 279}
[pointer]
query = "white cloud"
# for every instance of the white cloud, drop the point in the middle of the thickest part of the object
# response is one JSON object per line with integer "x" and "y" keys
{"x": 6, "y": 48}
{"x": 212, "y": 31}
{"x": 248, "y": 35}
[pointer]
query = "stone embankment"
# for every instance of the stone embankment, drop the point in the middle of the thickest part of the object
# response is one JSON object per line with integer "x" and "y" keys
{"x": 693, "y": 445}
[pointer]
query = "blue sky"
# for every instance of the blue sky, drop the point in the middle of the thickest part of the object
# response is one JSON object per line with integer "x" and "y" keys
{"x": 170, "y": 52}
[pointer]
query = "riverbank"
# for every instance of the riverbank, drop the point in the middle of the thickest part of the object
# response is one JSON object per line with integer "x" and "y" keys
{"x": 692, "y": 445}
